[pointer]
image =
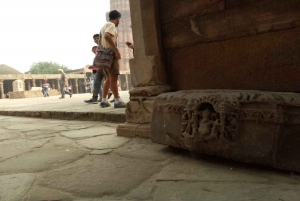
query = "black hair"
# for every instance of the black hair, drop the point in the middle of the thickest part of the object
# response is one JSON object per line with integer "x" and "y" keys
{"x": 94, "y": 47}
{"x": 96, "y": 35}
{"x": 114, "y": 14}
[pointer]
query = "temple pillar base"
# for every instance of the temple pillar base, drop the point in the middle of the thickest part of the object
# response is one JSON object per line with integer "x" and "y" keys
{"x": 248, "y": 126}
{"x": 139, "y": 111}
{"x": 132, "y": 130}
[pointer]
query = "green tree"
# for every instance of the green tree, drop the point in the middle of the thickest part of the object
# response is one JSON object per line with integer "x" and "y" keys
{"x": 46, "y": 68}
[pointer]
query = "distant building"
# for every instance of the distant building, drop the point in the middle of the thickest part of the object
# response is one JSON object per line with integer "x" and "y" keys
{"x": 8, "y": 75}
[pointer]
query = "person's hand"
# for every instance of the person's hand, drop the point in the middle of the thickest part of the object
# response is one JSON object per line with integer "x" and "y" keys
{"x": 131, "y": 46}
{"x": 118, "y": 55}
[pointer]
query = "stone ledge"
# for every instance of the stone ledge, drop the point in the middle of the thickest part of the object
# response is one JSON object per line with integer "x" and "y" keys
{"x": 64, "y": 115}
{"x": 132, "y": 130}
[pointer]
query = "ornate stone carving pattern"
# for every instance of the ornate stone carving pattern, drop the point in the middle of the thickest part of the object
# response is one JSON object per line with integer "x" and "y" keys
{"x": 269, "y": 117}
{"x": 207, "y": 119}
{"x": 141, "y": 110}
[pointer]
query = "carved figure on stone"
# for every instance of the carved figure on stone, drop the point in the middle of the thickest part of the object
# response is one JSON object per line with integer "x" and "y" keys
{"x": 189, "y": 111}
{"x": 184, "y": 124}
{"x": 209, "y": 125}
{"x": 231, "y": 129}
{"x": 200, "y": 120}
{"x": 194, "y": 123}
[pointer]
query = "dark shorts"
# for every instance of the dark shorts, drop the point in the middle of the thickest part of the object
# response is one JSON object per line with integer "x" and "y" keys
{"x": 114, "y": 70}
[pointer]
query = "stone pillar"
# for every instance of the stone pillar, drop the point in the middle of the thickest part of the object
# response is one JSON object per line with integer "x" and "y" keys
{"x": 76, "y": 86}
{"x": 147, "y": 69}
{"x": 2, "y": 89}
{"x": 29, "y": 85}
{"x": 24, "y": 84}
{"x": 33, "y": 82}
{"x": 52, "y": 84}
{"x": 127, "y": 83}
{"x": 58, "y": 85}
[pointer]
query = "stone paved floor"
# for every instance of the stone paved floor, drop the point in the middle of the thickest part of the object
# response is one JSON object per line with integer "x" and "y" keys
{"x": 54, "y": 103}
{"x": 42, "y": 159}
{"x": 68, "y": 108}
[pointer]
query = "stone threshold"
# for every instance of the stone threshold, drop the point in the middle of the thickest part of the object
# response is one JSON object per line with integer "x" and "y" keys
{"x": 66, "y": 115}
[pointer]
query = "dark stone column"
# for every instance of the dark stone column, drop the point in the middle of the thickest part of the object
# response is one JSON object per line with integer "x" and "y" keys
{"x": 29, "y": 85}
{"x": 33, "y": 83}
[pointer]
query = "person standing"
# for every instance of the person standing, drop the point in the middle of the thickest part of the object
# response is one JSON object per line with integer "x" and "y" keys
{"x": 98, "y": 77}
{"x": 46, "y": 86}
{"x": 92, "y": 85}
{"x": 108, "y": 40}
{"x": 63, "y": 83}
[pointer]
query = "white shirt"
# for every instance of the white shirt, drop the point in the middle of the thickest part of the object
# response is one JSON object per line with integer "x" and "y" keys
{"x": 110, "y": 28}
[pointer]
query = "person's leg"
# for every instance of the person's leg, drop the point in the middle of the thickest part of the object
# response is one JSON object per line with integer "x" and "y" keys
{"x": 114, "y": 85}
{"x": 97, "y": 82}
{"x": 114, "y": 74}
{"x": 46, "y": 92}
{"x": 62, "y": 90}
{"x": 101, "y": 92}
{"x": 67, "y": 92}
{"x": 106, "y": 86}
{"x": 104, "y": 102}
{"x": 101, "y": 76}
{"x": 95, "y": 92}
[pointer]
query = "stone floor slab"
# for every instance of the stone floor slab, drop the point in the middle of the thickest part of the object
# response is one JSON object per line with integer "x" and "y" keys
{"x": 196, "y": 170}
{"x": 103, "y": 142}
{"x": 96, "y": 176}
{"x": 11, "y": 148}
{"x": 41, "y": 194}
{"x": 90, "y": 132}
{"x": 15, "y": 187}
{"x": 100, "y": 152}
{"x": 41, "y": 160}
{"x": 237, "y": 191}
{"x": 8, "y": 134}
{"x": 23, "y": 127}
{"x": 145, "y": 149}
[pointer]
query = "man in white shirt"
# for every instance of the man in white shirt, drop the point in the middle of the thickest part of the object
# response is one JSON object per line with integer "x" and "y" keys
{"x": 108, "y": 40}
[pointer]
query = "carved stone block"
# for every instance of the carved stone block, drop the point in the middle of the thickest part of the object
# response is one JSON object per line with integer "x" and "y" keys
{"x": 147, "y": 71}
{"x": 249, "y": 126}
{"x": 134, "y": 130}
{"x": 139, "y": 111}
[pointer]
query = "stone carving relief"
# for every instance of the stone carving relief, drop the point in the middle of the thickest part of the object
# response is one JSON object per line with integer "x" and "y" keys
{"x": 202, "y": 121}
{"x": 207, "y": 119}
{"x": 139, "y": 110}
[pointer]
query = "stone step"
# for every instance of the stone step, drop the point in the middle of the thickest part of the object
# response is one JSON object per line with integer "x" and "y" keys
{"x": 68, "y": 115}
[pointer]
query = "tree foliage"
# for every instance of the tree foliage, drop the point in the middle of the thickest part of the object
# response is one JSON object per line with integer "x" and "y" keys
{"x": 46, "y": 68}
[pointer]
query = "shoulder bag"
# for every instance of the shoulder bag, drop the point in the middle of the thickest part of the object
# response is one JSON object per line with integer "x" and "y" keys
{"x": 104, "y": 57}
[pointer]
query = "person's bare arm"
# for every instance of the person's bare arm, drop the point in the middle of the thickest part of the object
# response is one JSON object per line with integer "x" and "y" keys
{"x": 108, "y": 39}
{"x": 131, "y": 46}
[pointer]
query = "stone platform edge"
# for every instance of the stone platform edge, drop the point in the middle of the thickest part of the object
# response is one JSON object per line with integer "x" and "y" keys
{"x": 64, "y": 115}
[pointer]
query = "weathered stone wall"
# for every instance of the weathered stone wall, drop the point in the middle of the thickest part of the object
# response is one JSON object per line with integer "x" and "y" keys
{"x": 18, "y": 85}
{"x": 232, "y": 44}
